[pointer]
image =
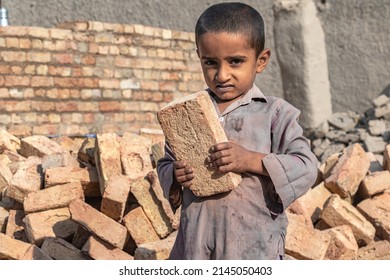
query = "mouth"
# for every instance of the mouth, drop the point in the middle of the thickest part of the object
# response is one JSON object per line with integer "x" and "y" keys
{"x": 224, "y": 88}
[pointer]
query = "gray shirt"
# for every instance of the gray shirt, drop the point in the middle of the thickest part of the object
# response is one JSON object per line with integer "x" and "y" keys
{"x": 248, "y": 222}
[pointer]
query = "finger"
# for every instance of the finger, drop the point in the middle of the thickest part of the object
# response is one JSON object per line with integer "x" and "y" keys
{"x": 220, "y": 146}
{"x": 225, "y": 168}
{"x": 179, "y": 164}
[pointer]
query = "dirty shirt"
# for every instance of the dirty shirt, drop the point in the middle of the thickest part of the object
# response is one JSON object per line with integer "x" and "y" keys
{"x": 248, "y": 222}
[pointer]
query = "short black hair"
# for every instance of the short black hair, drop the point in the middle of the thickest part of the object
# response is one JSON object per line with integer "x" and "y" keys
{"x": 233, "y": 17}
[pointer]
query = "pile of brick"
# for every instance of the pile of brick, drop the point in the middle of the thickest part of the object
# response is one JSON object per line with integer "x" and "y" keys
{"x": 83, "y": 198}
{"x": 99, "y": 198}
{"x": 371, "y": 130}
{"x": 346, "y": 214}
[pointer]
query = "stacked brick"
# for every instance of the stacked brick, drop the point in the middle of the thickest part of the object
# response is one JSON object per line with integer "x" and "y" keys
{"x": 77, "y": 198}
{"x": 92, "y": 77}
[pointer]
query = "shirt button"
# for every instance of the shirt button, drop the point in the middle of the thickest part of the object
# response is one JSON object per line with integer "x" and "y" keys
{"x": 221, "y": 119}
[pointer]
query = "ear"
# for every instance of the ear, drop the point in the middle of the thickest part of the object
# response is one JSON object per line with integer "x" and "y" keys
{"x": 262, "y": 60}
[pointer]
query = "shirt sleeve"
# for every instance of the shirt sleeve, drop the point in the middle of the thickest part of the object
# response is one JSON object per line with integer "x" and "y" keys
{"x": 292, "y": 166}
{"x": 171, "y": 188}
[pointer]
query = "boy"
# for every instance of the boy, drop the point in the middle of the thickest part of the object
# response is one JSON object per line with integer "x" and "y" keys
{"x": 265, "y": 146}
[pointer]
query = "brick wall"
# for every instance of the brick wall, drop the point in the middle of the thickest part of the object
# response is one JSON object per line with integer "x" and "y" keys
{"x": 92, "y": 77}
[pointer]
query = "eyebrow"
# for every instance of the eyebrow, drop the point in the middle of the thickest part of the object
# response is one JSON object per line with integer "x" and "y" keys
{"x": 228, "y": 57}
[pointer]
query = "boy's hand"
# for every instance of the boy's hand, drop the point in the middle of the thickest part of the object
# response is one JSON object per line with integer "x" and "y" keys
{"x": 183, "y": 173}
{"x": 231, "y": 157}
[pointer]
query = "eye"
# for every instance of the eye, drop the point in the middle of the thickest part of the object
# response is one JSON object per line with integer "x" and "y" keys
{"x": 209, "y": 62}
{"x": 236, "y": 61}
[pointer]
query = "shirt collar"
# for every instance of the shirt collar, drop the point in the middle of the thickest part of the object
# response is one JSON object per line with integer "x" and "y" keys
{"x": 253, "y": 94}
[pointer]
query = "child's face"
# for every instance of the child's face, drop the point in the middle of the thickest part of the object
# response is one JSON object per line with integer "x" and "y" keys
{"x": 229, "y": 64}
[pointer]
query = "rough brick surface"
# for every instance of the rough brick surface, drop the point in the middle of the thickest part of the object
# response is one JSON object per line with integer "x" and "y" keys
{"x": 12, "y": 249}
{"x": 349, "y": 171}
{"x": 379, "y": 250}
{"x": 158, "y": 250}
{"x": 141, "y": 189}
{"x": 139, "y": 226}
{"x": 50, "y": 223}
{"x": 101, "y": 250}
{"x": 338, "y": 212}
{"x": 343, "y": 245}
{"x": 88, "y": 178}
{"x": 312, "y": 203}
{"x": 98, "y": 223}
{"x": 191, "y": 127}
{"x": 386, "y": 158}
{"x": 375, "y": 183}
{"x": 107, "y": 158}
{"x": 55, "y": 197}
{"x": 28, "y": 178}
{"x": 303, "y": 241}
{"x": 39, "y": 145}
{"x": 115, "y": 197}
{"x": 377, "y": 211}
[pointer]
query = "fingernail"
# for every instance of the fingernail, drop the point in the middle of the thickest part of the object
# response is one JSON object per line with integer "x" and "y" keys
{"x": 209, "y": 159}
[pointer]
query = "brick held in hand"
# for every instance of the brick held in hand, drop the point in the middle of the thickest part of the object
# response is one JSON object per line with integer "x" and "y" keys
{"x": 191, "y": 126}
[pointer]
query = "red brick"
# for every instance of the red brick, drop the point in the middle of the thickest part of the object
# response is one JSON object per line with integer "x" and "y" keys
{"x": 69, "y": 106}
{"x": 13, "y": 56}
{"x": 63, "y": 58}
{"x": 13, "y": 81}
{"x": 106, "y": 106}
{"x": 41, "y": 81}
{"x": 42, "y": 57}
{"x": 42, "y": 105}
{"x": 15, "y": 106}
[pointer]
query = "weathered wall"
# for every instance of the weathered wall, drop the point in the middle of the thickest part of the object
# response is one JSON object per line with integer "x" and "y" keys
{"x": 92, "y": 77}
{"x": 168, "y": 14}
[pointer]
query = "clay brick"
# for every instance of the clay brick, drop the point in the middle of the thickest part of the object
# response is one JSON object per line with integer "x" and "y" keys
{"x": 158, "y": 151}
{"x": 98, "y": 223}
{"x": 141, "y": 189}
{"x": 115, "y": 197}
{"x": 50, "y": 223}
{"x": 349, "y": 171}
{"x": 15, "y": 227}
{"x": 338, "y": 212}
{"x": 8, "y": 142}
{"x": 101, "y": 250}
{"x": 139, "y": 226}
{"x": 375, "y": 183}
{"x": 55, "y": 197}
{"x": 343, "y": 245}
{"x": 12, "y": 249}
{"x": 39, "y": 145}
{"x": 312, "y": 202}
{"x": 26, "y": 179}
{"x": 62, "y": 159}
{"x": 303, "y": 241}
{"x": 191, "y": 126}
{"x": 86, "y": 176}
{"x": 156, "y": 135}
{"x": 5, "y": 176}
{"x": 157, "y": 250}
{"x": 135, "y": 155}
{"x": 157, "y": 189}
{"x": 59, "y": 249}
{"x": 107, "y": 158}
{"x": 35, "y": 253}
{"x": 379, "y": 250}
{"x": 377, "y": 211}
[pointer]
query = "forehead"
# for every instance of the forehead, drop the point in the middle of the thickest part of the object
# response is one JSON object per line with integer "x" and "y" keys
{"x": 223, "y": 43}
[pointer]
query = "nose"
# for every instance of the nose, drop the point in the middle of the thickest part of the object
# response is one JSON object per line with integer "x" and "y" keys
{"x": 223, "y": 73}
